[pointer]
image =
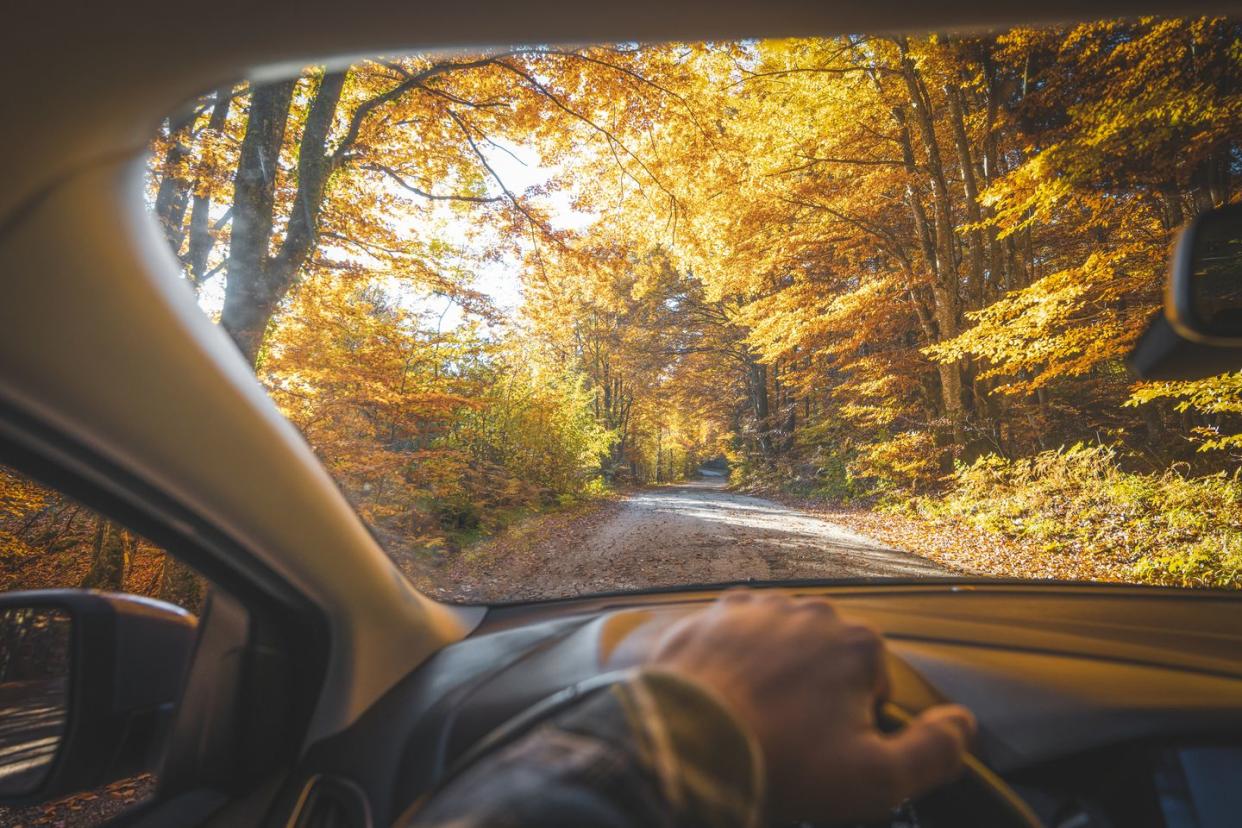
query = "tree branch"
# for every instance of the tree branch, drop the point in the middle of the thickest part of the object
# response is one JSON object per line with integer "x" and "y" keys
{"x": 543, "y": 90}
{"x": 641, "y": 79}
{"x": 431, "y": 196}
{"x": 821, "y": 70}
{"x": 465, "y": 131}
{"x": 412, "y": 81}
{"x": 449, "y": 96}
{"x": 813, "y": 161}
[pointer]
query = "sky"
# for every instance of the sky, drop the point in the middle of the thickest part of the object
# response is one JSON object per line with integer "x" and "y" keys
{"x": 521, "y": 169}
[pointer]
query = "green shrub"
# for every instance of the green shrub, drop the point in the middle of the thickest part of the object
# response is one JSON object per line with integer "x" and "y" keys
{"x": 1078, "y": 502}
{"x": 906, "y": 461}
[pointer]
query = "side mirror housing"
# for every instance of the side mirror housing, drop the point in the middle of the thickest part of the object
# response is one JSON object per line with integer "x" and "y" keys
{"x": 1199, "y": 332}
{"x": 89, "y": 684}
{"x": 1203, "y": 301}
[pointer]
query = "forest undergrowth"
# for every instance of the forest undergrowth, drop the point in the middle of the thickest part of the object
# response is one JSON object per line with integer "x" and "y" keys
{"x": 1074, "y": 513}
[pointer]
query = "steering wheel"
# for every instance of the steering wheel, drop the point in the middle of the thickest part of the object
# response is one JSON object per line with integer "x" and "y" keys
{"x": 979, "y": 794}
{"x": 978, "y": 798}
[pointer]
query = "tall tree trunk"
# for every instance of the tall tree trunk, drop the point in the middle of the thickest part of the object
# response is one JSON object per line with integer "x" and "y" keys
{"x": 757, "y": 386}
{"x": 109, "y": 558}
{"x": 201, "y": 239}
{"x": 315, "y": 165}
{"x": 922, "y": 227}
{"x": 249, "y": 298}
{"x": 946, "y": 289}
{"x": 970, "y": 187}
{"x": 181, "y": 585}
{"x": 258, "y": 282}
{"x": 944, "y": 301}
{"x": 174, "y": 191}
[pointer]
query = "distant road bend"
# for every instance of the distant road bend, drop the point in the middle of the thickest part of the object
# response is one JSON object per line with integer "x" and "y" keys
{"x": 699, "y": 532}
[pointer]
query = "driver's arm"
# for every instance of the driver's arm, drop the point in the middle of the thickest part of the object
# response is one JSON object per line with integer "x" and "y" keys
{"x": 652, "y": 750}
{"x": 759, "y": 706}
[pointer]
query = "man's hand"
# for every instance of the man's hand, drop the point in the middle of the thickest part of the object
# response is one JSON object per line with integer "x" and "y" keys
{"x": 806, "y": 684}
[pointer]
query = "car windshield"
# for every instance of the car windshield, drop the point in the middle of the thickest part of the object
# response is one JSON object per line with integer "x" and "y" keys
{"x": 571, "y": 320}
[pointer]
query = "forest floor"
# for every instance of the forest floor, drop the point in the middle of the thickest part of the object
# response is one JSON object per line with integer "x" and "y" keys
{"x": 967, "y": 550}
{"x": 83, "y": 810}
{"x": 692, "y": 533}
{"x": 962, "y": 550}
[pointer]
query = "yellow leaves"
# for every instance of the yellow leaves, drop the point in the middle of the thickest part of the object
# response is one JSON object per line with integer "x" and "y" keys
{"x": 1219, "y": 395}
{"x": 1026, "y": 197}
{"x": 909, "y": 459}
{"x": 839, "y": 250}
{"x": 1064, "y": 324}
{"x": 19, "y": 495}
{"x": 21, "y": 500}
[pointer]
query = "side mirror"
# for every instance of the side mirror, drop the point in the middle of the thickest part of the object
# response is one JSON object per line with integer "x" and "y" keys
{"x": 89, "y": 683}
{"x": 1204, "y": 297}
{"x": 1199, "y": 333}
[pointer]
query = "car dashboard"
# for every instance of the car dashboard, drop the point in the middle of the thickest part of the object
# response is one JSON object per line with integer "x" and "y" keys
{"x": 1101, "y": 706}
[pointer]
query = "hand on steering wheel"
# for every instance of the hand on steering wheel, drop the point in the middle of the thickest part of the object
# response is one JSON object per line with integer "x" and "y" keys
{"x": 807, "y": 685}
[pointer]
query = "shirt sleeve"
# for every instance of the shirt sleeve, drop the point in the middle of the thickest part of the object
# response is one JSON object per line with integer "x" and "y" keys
{"x": 652, "y": 750}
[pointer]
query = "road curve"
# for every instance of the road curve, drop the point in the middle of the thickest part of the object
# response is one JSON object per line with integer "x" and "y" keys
{"x": 699, "y": 532}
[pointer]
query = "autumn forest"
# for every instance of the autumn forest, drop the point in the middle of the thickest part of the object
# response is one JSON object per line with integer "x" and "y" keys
{"x": 891, "y": 277}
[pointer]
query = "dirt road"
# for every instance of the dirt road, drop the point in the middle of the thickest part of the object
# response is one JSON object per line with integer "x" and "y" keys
{"x": 693, "y": 533}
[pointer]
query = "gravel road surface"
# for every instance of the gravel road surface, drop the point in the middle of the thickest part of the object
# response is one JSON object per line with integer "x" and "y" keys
{"x": 701, "y": 533}
{"x": 693, "y": 533}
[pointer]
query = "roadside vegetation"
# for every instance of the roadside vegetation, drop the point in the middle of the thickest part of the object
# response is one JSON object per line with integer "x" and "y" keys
{"x": 1077, "y": 513}
{"x": 896, "y": 273}
{"x": 1078, "y": 503}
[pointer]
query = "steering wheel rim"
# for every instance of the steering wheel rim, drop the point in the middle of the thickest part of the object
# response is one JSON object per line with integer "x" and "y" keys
{"x": 979, "y": 777}
{"x": 981, "y": 780}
